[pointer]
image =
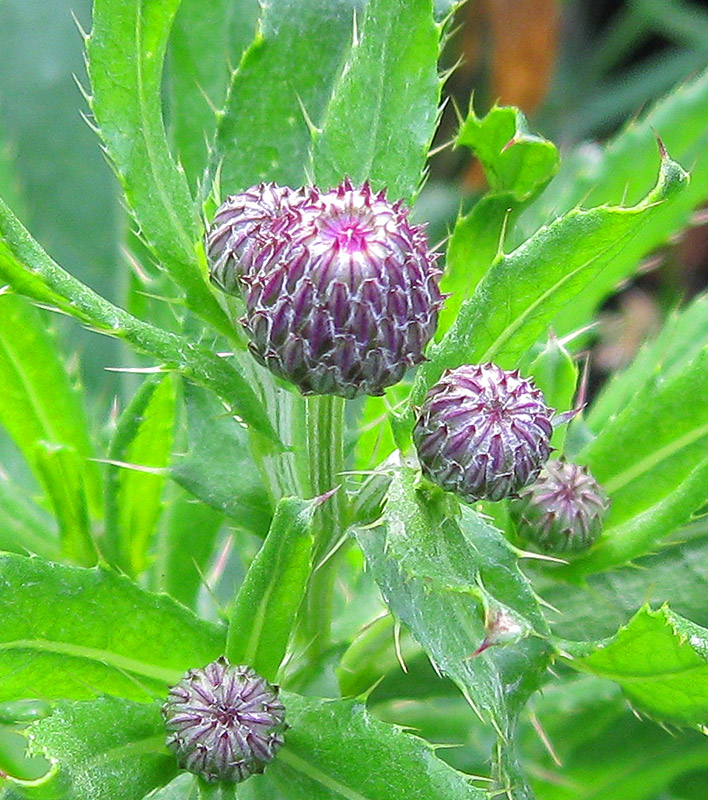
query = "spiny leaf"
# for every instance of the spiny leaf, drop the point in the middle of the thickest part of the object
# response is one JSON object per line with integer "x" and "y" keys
{"x": 30, "y": 271}
{"x": 661, "y": 661}
{"x": 125, "y": 54}
{"x": 382, "y": 114}
{"x": 104, "y": 749}
{"x": 446, "y": 579}
{"x": 69, "y": 632}
{"x": 267, "y": 603}
{"x": 522, "y": 292}
{"x": 143, "y": 438}
{"x": 263, "y": 133}
{"x": 39, "y": 402}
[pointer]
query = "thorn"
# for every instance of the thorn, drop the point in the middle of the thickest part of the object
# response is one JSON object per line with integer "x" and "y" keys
{"x": 660, "y": 144}
{"x": 135, "y": 467}
{"x": 540, "y": 556}
{"x": 502, "y": 234}
{"x": 355, "y": 30}
{"x": 543, "y": 736}
{"x": 308, "y": 121}
{"x": 140, "y": 370}
{"x": 397, "y": 645}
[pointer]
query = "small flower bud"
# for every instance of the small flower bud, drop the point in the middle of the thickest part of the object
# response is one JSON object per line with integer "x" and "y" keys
{"x": 483, "y": 432}
{"x": 245, "y": 230}
{"x": 563, "y": 510}
{"x": 341, "y": 289}
{"x": 224, "y": 722}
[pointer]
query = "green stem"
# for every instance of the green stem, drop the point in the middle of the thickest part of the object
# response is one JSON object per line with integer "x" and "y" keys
{"x": 325, "y": 453}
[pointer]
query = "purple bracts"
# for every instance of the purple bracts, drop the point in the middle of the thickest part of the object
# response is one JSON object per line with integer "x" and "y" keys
{"x": 483, "y": 432}
{"x": 563, "y": 510}
{"x": 341, "y": 289}
{"x": 224, "y": 722}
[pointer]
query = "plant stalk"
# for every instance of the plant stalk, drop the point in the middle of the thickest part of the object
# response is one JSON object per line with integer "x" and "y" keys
{"x": 325, "y": 451}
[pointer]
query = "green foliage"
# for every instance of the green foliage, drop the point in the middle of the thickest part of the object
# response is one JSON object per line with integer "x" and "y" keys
{"x": 517, "y": 165}
{"x": 198, "y": 483}
{"x": 29, "y": 365}
{"x": 218, "y": 467}
{"x": 661, "y": 661}
{"x": 446, "y": 579}
{"x": 515, "y": 160}
{"x": 125, "y": 53}
{"x": 390, "y": 75}
{"x": 31, "y": 271}
{"x": 523, "y": 291}
{"x": 335, "y": 749}
{"x": 654, "y": 482}
{"x": 139, "y": 452}
{"x": 73, "y": 633}
{"x": 297, "y": 90}
{"x": 269, "y": 599}
{"x": 205, "y": 41}
{"x": 102, "y": 749}
{"x": 622, "y": 172}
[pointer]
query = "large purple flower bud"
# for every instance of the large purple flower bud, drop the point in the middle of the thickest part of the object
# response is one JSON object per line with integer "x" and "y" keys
{"x": 483, "y": 432}
{"x": 343, "y": 296}
{"x": 246, "y": 232}
{"x": 224, "y": 722}
{"x": 563, "y": 510}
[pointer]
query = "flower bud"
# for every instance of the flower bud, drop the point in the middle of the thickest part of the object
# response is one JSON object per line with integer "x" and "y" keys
{"x": 483, "y": 432}
{"x": 563, "y": 510}
{"x": 224, "y": 722}
{"x": 341, "y": 289}
{"x": 245, "y": 232}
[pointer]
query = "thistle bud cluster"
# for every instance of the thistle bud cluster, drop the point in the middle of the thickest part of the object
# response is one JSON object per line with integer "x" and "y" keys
{"x": 341, "y": 290}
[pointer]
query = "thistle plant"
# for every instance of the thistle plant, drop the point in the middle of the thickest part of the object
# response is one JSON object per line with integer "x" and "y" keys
{"x": 318, "y": 515}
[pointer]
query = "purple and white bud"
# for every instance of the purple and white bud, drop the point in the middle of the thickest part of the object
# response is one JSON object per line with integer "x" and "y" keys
{"x": 483, "y": 432}
{"x": 563, "y": 510}
{"x": 341, "y": 290}
{"x": 245, "y": 232}
{"x": 224, "y": 722}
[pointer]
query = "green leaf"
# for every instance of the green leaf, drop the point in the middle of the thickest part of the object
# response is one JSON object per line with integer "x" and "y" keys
{"x": 654, "y": 482}
{"x": 125, "y": 54}
{"x": 24, "y": 527}
{"x": 187, "y": 543}
{"x": 184, "y": 787}
{"x": 268, "y": 601}
{"x": 205, "y": 39}
{"x": 104, "y": 749}
{"x": 32, "y": 272}
{"x": 446, "y": 579}
{"x": 555, "y": 373}
{"x": 384, "y": 107}
{"x": 60, "y": 469}
{"x": 29, "y": 365}
{"x": 514, "y": 159}
{"x": 607, "y": 753}
{"x": 683, "y": 337}
{"x": 73, "y": 633}
{"x": 605, "y": 601}
{"x": 476, "y": 241}
{"x": 142, "y": 442}
{"x": 522, "y": 292}
{"x": 661, "y": 662}
{"x": 625, "y": 169}
{"x": 218, "y": 467}
{"x": 263, "y": 133}
{"x": 518, "y": 164}
{"x": 335, "y": 749}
